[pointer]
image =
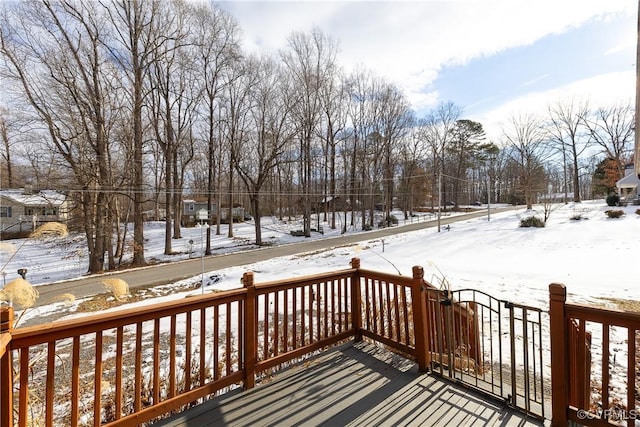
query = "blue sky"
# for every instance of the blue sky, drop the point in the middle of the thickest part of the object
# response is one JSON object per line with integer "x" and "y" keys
{"x": 553, "y": 61}
{"x": 493, "y": 58}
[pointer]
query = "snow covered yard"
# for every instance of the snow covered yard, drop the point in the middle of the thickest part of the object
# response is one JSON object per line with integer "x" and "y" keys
{"x": 593, "y": 255}
{"x": 596, "y": 257}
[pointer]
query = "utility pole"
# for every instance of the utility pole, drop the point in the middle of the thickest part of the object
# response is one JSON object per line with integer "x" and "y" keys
{"x": 440, "y": 196}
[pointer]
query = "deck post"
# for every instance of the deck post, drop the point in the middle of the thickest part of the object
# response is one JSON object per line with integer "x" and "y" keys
{"x": 419, "y": 308}
{"x": 250, "y": 335}
{"x": 559, "y": 354}
{"x": 6, "y": 371}
{"x": 356, "y": 301}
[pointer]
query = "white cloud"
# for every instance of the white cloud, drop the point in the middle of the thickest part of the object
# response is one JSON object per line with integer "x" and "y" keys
{"x": 603, "y": 90}
{"x": 620, "y": 48}
{"x": 410, "y": 42}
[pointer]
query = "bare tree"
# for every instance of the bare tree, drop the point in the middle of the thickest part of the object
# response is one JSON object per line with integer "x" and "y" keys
{"x": 565, "y": 123}
{"x": 334, "y": 122}
{"x": 438, "y": 129}
{"x": 269, "y": 134}
{"x": 5, "y": 125}
{"x": 360, "y": 89}
{"x": 235, "y": 122}
{"x": 412, "y": 153}
{"x": 174, "y": 97}
{"x": 525, "y": 136}
{"x": 394, "y": 121}
{"x": 137, "y": 34}
{"x": 310, "y": 59}
{"x": 216, "y": 37}
{"x": 612, "y": 128}
{"x": 66, "y": 79}
{"x": 466, "y": 147}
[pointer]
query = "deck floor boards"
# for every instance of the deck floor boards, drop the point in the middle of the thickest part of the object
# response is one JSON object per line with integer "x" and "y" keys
{"x": 352, "y": 385}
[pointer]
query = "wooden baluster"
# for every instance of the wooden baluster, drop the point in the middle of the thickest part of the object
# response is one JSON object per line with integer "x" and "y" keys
{"x": 119, "y": 368}
{"x": 559, "y": 351}
{"x": 6, "y": 370}
{"x": 356, "y": 300}
{"x": 50, "y": 384}
{"x": 97, "y": 381}
{"x": 250, "y": 337}
{"x": 419, "y": 300}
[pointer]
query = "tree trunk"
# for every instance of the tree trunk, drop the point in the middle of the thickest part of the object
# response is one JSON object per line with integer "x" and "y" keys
{"x": 255, "y": 208}
{"x": 168, "y": 203}
{"x": 230, "y": 215}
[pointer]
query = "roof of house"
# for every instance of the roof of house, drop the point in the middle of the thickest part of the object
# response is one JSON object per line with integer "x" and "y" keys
{"x": 40, "y": 198}
{"x": 629, "y": 181}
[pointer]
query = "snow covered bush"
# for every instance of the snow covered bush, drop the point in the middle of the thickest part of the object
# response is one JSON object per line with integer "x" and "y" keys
{"x": 532, "y": 221}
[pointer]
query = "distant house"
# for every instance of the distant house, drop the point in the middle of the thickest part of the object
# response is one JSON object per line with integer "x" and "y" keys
{"x": 22, "y": 209}
{"x": 191, "y": 207}
{"x": 628, "y": 186}
{"x": 337, "y": 202}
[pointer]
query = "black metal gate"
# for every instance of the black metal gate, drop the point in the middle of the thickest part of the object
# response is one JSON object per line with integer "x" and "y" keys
{"x": 492, "y": 345}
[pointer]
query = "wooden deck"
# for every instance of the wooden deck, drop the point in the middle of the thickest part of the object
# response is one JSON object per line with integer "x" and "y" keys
{"x": 354, "y": 384}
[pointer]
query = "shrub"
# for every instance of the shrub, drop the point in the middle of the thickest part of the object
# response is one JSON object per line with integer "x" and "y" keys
{"x": 118, "y": 287}
{"x": 19, "y": 292}
{"x": 637, "y": 211}
{"x": 532, "y": 221}
{"x": 50, "y": 229}
{"x": 614, "y": 213}
{"x": 391, "y": 220}
{"x": 613, "y": 200}
{"x": 576, "y": 217}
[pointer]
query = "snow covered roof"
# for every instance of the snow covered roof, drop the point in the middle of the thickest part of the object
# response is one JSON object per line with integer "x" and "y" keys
{"x": 40, "y": 198}
{"x": 629, "y": 181}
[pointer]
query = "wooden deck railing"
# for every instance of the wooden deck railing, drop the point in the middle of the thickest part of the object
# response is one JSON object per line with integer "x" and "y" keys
{"x": 387, "y": 309}
{"x": 296, "y": 316}
{"x": 127, "y": 366}
{"x": 6, "y": 370}
{"x": 591, "y": 388}
{"x": 134, "y": 365}
{"x": 130, "y": 366}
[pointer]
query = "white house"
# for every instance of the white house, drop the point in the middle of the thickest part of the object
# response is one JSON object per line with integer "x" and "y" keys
{"x": 629, "y": 185}
{"x": 191, "y": 207}
{"x": 22, "y": 209}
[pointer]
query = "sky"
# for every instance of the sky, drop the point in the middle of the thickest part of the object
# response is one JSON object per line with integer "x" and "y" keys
{"x": 493, "y": 58}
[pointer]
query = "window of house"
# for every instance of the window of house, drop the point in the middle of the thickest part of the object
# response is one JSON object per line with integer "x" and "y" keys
{"x": 5, "y": 211}
{"x": 192, "y": 207}
{"x": 50, "y": 211}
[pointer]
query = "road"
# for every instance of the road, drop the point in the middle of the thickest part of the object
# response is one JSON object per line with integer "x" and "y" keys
{"x": 160, "y": 274}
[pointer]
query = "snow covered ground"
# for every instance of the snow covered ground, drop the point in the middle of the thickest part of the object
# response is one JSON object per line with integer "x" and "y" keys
{"x": 595, "y": 257}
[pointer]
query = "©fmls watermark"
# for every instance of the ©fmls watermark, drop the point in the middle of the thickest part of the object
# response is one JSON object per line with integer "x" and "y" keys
{"x": 612, "y": 414}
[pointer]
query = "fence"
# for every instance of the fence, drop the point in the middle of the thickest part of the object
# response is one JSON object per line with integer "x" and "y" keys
{"x": 594, "y": 363}
{"x": 493, "y": 345}
{"x": 135, "y": 365}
